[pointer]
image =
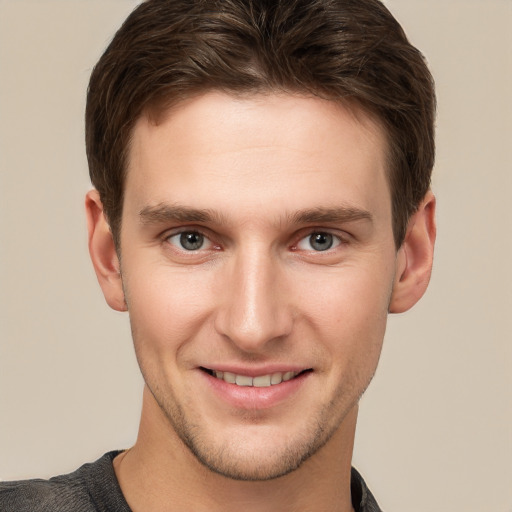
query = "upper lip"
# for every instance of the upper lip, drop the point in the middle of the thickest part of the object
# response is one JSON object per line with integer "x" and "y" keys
{"x": 255, "y": 371}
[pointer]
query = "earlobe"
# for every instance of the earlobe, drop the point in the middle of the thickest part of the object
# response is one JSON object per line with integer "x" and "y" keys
{"x": 103, "y": 252}
{"x": 415, "y": 257}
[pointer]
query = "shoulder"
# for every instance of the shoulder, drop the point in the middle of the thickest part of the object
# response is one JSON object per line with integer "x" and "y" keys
{"x": 362, "y": 498}
{"x": 42, "y": 496}
{"x": 74, "y": 492}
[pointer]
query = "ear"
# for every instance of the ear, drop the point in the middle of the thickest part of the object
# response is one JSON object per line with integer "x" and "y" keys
{"x": 414, "y": 258}
{"x": 103, "y": 252}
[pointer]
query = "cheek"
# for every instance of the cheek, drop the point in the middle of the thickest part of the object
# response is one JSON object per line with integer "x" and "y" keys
{"x": 166, "y": 307}
{"x": 345, "y": 296}
{"x": 349, "y": 311}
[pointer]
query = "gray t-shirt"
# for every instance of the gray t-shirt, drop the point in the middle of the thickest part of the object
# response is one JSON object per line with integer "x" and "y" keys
{"x": 94, "y": 488}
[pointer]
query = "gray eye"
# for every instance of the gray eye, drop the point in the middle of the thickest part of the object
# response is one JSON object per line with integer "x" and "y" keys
{"x": 191, "y": 240}
{"x": 321, "y": 241}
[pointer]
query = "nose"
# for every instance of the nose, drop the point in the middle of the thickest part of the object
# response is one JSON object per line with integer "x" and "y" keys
{"x": 255, "y": 307}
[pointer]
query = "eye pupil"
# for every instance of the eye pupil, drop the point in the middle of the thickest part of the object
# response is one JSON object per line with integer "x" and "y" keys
{"x": 321, "y": 241}
{"x": 191, "y": 241}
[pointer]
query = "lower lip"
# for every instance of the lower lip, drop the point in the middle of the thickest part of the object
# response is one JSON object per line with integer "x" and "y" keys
{"x": 250, "y": 397}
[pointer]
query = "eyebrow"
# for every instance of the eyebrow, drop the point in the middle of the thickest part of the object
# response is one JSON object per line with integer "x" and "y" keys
{"x": 162, "y": 213}
{"x": 336, "y": 215}
{"x": 177, "y": 213}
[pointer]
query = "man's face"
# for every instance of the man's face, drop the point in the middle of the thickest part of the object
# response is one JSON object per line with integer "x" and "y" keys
{"x": 258, "y": 262}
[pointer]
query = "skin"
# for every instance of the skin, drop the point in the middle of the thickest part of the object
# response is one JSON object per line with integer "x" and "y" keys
{"x": 251, "y": 180}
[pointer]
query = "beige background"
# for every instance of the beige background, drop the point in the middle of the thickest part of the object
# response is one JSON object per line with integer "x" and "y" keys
{"x": 435, "y": 431}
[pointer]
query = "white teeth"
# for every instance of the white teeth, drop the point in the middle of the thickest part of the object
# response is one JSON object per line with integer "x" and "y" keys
{"x": 262, "y": 381}
{"x": 229, "y": 377}
{"x": 243, "y": 380}
{"x": 276, "y": 378}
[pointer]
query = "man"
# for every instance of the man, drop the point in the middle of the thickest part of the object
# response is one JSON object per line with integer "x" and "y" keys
{"x": 261, "y": 203}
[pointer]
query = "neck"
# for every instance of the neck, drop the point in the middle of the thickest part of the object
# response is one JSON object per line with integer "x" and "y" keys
{"x": 160, "y": 473}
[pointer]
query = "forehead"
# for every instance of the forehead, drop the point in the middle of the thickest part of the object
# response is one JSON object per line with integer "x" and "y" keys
{"x": 279, "y": 149}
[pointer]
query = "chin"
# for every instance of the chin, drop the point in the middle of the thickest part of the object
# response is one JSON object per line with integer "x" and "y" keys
{"x": 259, "y": 453}
{"x": 254, "y": 465}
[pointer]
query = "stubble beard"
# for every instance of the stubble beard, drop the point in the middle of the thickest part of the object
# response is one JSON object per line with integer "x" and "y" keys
{"x": 231, "y": 461}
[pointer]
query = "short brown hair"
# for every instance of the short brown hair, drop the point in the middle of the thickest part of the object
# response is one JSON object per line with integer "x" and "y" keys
{"x": 351, "y": 51}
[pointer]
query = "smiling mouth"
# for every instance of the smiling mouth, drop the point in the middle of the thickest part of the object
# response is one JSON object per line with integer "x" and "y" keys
{"x": 261, "y": 381}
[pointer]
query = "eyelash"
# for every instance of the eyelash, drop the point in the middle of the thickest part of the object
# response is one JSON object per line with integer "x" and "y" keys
{"x": 169, "y": 236}
{"x": 337, "y": 240}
